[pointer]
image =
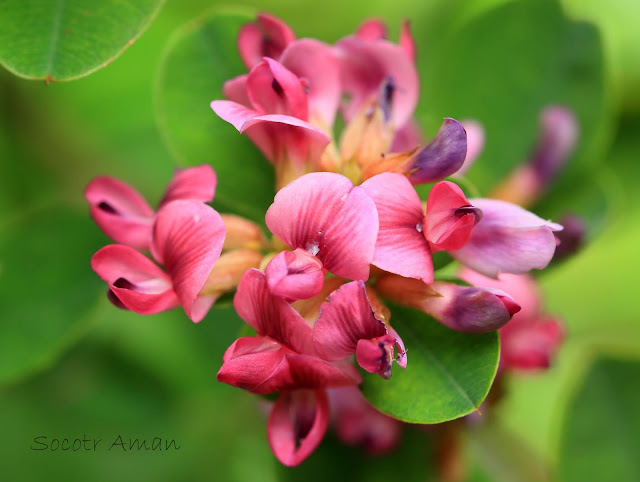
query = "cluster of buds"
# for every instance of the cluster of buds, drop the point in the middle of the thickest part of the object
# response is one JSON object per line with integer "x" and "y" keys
{"x": 348, "y": 230}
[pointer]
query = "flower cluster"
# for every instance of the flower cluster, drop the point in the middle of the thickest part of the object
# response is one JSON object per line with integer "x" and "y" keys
{"x": 349, "y": 230}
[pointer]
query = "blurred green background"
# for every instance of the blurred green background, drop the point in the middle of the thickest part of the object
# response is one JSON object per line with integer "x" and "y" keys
{"x": 71, "y": 365}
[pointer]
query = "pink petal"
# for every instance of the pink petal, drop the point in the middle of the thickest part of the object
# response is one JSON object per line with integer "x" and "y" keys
{"x": 324, "y": 214}
{"x": 297, "y": 425}
{"x": 345, "y": 318}
{"x": 187, "y": 240}
{"x": 366, "y": 66}
{"x": 315, "y": 63}
{"x": 400, "y": 247}
{"x": 507, "y": 239}
{"x": 235, "y": 90}
{"x": 120, "y": 211}
{"x": 295, "y": 275}
{"x": 450, "y": 217}
{"x": 408, "y": 137}
{"x": 194, "y": 183}
{"x": 531, "y": 346}
{"x": 376, "y": 355}
{"x": 407, "y": 43}
{"x": 372, "y": 30}
{"x": 273, "y": 89}
{"x": 137, "y": 283}
{"x": 475, "y": 144}
{"x": 268, "y": 36}
{"x": 233, "y": 113}
{"x": 270, "y": 315}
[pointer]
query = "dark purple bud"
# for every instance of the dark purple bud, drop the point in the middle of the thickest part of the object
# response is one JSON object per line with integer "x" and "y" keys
{"x": 571, "y": 238}
{"x": 443, "y": 156}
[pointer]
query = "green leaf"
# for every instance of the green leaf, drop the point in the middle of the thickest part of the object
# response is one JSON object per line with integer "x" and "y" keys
{"x": 47, "y": 288}
{"x": 200, "y": 57}
{"x": 67, "y": 39}
{"x": 448, "y": 373}
{"x": 602, "y": 431}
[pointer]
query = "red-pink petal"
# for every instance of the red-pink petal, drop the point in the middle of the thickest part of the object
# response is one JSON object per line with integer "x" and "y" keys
{"x": 400, "y": 247}
{"x": 136, "y": 281}
{"x": 316, "y": 65}
{"x": 270, "y": 315}
{"x": 268, "y": 36}
{"x": 295, "y": 275}
{"x": 297, "y": 424}
{"x": 187, "y": 240}
{"x": 450, "y": 217}
{"x": 235, "y": 90}
{"x": 194, "y": 183}
{"x": 345, "y": 318}
{"x": 120, "y": 211}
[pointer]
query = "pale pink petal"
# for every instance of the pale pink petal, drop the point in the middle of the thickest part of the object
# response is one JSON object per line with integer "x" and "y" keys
{"x": 194, "y": 183}
{"x": 297, "y": 424}
{"x": 235, "y": 90}
{"x": 316, "y": 65}
{"x": 366, "y": 66}
{"x": 187, "y": 240}
{"x": 268, "y": 36}
{"x": 450, "y": 217}
{"x": 345, "y": 318}
{"x": 120, "y": 211}
{"x": 407, "y": 43}
{"x": 372, "y": 30}
{"x": 233, "y": 113}
{"x": 135, "y": 281}
{"x": 295, "y": 275}
{"x": 508, "y": 239}
{"x": 270, "y": 315}
{"x": 475, "y": 144}
{"x": 273, "y": 89}
{"x": 401, "y": 247}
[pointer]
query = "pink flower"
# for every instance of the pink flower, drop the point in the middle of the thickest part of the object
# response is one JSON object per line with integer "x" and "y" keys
{"x": 282, "y": 359}
{"x": 187, "y": 238}
{"x": 402, "y": 246}
{"x": 348, "y": 325}
{"x": 508, "y": 239}
{"x": 532, "y": 338}
{"x": 295, "y": 275}
{"x": 324, "y": 214}
{"x": 126, "y": 217}
{"x": 268, "y": 36}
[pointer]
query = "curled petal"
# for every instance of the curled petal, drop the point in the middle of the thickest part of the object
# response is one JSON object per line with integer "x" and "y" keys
{"x": 345, "y": 318}
{"x": 475, "y": 144}
{"x": 268, "y": 36}
{"x": 450, "y": 217}
{"x": 295, "y": 275}
{"x": 187, "y": 240}
{"x": 120, "y": 211}
{"x": 508, "y": 239}
{"x": 443, "y": 156}
{"x": 270, "y": 315}
{"x": 297, "y": 424}
{"x": 135, "y": 282}
{"x": 376, "y": 355}
{"x": 400, "y": 247}
{"x": 316, "y": 65}
{"x": 195, "y": 183}
{"x": 235, "y": 90}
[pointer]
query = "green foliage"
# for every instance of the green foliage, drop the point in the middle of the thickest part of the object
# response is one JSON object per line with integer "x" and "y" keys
{"x": 448, "y": 373}
{"x": 200, "y": 57}
{"x": 67, "y": 39}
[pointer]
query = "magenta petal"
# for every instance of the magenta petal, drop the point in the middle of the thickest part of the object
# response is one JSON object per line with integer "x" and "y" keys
{"x": 270, "y": 315}
{"x": 273, "y": 89}
{"x": 295, "y": 275}
{"x": 407, "y": 43}
{"x": 268, "y": 36}
{"x": 194, "y": 183}
{"x": 187, "y": 240}
{"x": 235, "y": 90}
{"x": 400, "y": 247}
{"x": 120, "y": 211}
{"x": 372, "y": 30}
{"x": 366, "y": 66}
{"x": 136, "y": 281}
{"x": 508, "y": 239}
{"x": 297, "y": 424}
{"x": 315, "y": 64}
{"x": 345, "y": 318}
{"x": 443, "y": 156}
{"x": 233, "y": 113}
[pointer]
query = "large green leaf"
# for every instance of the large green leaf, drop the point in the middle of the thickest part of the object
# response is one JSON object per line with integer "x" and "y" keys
{"x": 602, "y": 431}
{"x": 66, "y": 39}
{"x": 200, "y": 57}
{"x": 448, "y": 373}
{"x": 47, "y": 289}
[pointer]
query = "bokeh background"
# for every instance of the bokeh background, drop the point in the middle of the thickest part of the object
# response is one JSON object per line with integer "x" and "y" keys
{"x": 71, "y": 365}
